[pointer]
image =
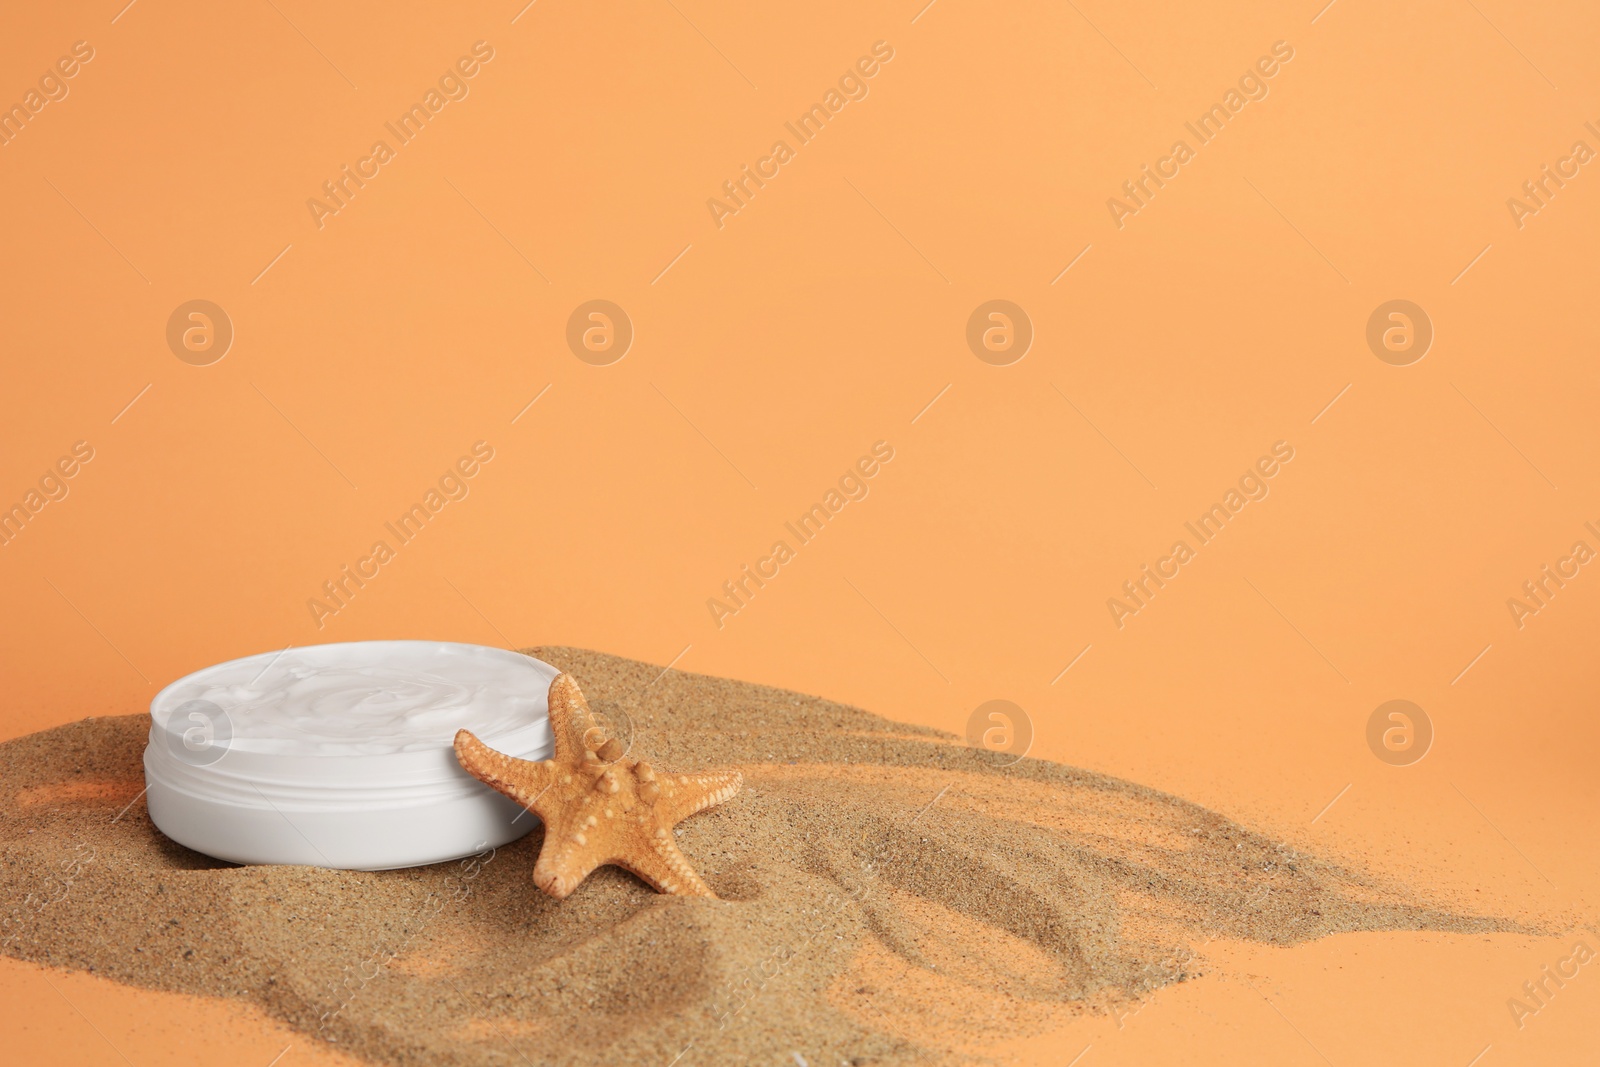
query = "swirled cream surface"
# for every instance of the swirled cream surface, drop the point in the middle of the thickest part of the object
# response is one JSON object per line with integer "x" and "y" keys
{"x": 366, "y": 697}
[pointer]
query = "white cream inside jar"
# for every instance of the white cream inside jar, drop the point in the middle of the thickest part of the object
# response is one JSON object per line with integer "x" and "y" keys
{"x": 341, "y": 755}
{"x": 369, "y": 698}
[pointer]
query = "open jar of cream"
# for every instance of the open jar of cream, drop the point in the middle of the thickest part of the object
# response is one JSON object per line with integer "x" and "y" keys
{"x": 340, "y": 755}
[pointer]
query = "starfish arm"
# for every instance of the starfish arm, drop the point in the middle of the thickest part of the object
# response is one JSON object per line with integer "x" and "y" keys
{"x": 522, "y": 780}
{"x": 665, "y": 867}
{"x": 684, "y": 794}
{"x": 562, "y": 865}
{"x": 570, "y": 719}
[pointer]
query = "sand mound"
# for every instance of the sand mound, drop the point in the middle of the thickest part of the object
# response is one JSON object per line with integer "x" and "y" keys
{"x": 877, "y": 880}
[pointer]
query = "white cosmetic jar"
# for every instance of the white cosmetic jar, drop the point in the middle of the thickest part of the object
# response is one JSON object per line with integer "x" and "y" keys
{"x": 342, "y": 755}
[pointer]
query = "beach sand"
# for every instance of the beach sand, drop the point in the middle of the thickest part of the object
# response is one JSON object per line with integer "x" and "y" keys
{"x": 873, "y": 875}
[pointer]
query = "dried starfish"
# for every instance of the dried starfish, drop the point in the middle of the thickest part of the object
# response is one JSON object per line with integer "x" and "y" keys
{"x": 598, "y": 807}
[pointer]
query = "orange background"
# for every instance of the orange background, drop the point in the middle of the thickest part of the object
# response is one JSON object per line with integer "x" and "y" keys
{"x": 771, "y": 352}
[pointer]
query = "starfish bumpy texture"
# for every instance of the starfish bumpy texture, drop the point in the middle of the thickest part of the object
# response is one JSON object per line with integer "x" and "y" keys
{"x": 599, "y": 807}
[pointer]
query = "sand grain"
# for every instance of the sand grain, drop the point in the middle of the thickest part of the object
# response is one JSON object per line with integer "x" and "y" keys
{"x": 881, "y": 885}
